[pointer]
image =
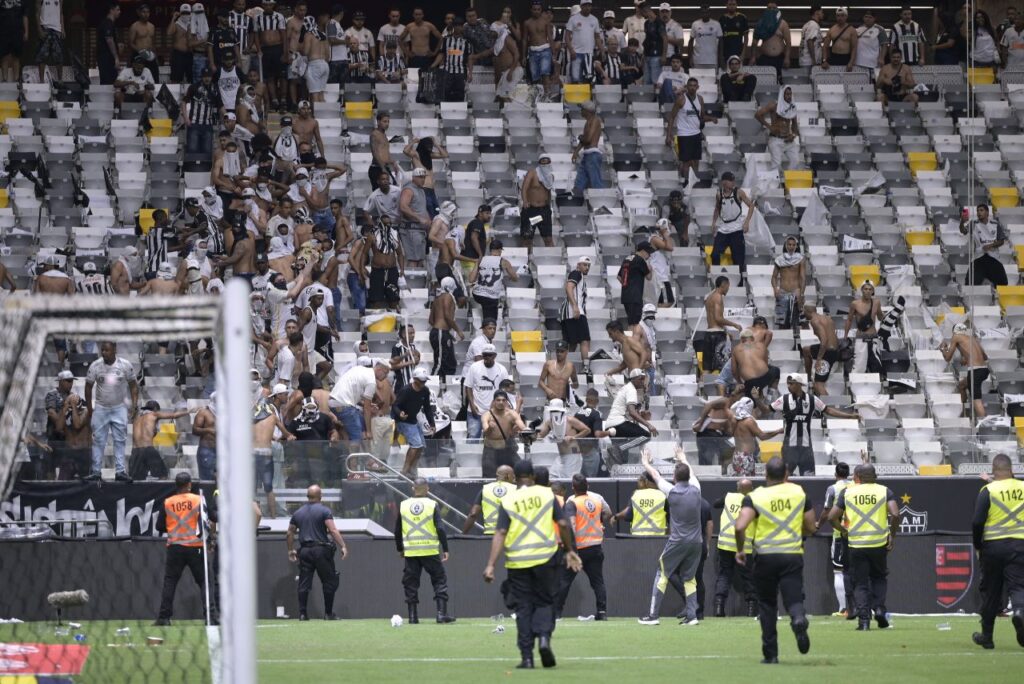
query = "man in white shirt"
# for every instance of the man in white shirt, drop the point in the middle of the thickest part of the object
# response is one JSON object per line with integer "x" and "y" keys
{"x": 384, "y": 200}
{"x": 109, "y": 383}
{"x": 362, "y": 50}
{"x": 624, "y": 422}
{"x": 481, "y": 383}
{"x": 705, "y": 38}
{"x": 633, "y": 26}
{"x": 1012, "y": 45}
{"x": 134, "y": 84}
{"x": 608, "y": 29}
{"x": 353, "y": 394}
{"x": 582, "y": 37}
{"x": 339, "y": 48}
{"x": 871, "y": 42}
{"x": 674, "y": 33}
{"x": 675, "y": 76}
{"x": 392, "y": 33}
{"x": 476, "y": 348}
{"x": 810, "y": 38}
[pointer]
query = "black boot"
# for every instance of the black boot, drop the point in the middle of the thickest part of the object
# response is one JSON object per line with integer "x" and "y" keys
{"x": 983, "y": 640}
{"x": 803, "y": 640}
{"x": 751, "y": 608}
{"x": 414, "y": 616}
{"x": 526, "y": 663}
{"x": 719, "y": 607}
{"x": 443, "y": 618}
{"x": 883, "y": 621}
{"x": 547, "y": 656}
{"x": 1017, "y": 618}
{"x": 863, "y": 624}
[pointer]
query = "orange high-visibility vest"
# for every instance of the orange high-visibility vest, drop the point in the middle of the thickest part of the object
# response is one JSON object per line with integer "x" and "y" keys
{"x": 554, "y": 523}
{"x": 183, "y": 520}
{"x": 588, "y": 528}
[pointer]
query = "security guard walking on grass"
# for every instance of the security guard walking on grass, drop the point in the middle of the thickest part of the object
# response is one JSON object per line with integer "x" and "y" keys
{"x": 728, "y": 568}
{"x": 488, "y": 501}
{"x": 866, "y": 515}
{"x": 184, "y": 520}
{"x": 647, "y": 512}
{"x": 587, "y": 513}
{"x": 318, "y": 539}
{"x": 778, "y": 515}
{"x": 529, "y": 540}
{"x": 424, "y": 544}
{"x": 998, "y": 531}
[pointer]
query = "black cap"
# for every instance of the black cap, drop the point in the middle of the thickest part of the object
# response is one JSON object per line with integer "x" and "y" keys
{"x": 319, "y": 160}
{"x": 562, "y": 345}
{"x": 205, "y": 72}
{"x": 192, "y": 202}
{"x": 151, "y": 405}
{"x": 488, "y": 321}
{"x": 645, "y": 246}
{"x": 497, "y": 244}
{"x": 286, "y": 121}
{"x": 183, "y": 478}
{"x": 675, "y": 194}
{"x": 523, "y": 468}
{"x": 729, "y": 176}
{"x": 262, "y": 256}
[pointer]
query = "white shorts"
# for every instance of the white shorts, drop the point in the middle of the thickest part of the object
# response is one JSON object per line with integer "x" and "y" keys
{"x": 316, "y": 76}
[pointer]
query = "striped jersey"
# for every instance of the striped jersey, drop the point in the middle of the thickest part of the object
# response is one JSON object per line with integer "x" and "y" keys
{"x": 156, "y": 246}
{"x": 94, "y": 284}
{"x": 909, "y": 38}
{"x": 242, "y": 24}
{"x": 269, "y": 21}
{"x": 455, "y": 49}
{"x": 566, "y": 311}
{"x": 203, "y": 104}
{"x": 391, "y": 65}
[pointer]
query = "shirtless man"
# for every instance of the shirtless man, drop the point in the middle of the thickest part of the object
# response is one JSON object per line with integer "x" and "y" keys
{"x": 895, "y": 81}
{"x": 181, "y": 47}
{"x": 293, "y": 49}
{"x": 53, "y": 280}
{"x": 716, "y": 339}
{"x": 380, "y": 151}
{"x": 6, "y": 280}
{"x": 272, "y": 48}
{"x": 140, "y": 37}
{"x": 774, "y": 50}
{"x": 204, "y": 426}
{"x": 442, "y": 324}
{"x": 840, "y": 46}
{"x": 242, "y": 252}
{"x": 974, "y": 362}
{"x": 633, "y": 353}
{"x": 266, "y": 420}
{"x": 507, "y": 72}
{"x": 387, "y": 266}
{"x": 746, "y": 433}
{"x": 865, "y": 312}
{"x": 145, "y": 459}
{"x": 306, "y": 129}
{"x": 249, "y": 110}
{"x": 713, "y": 428}
{"x": 307, "y": 388}
{"x": 358, "y": 257}
{"x": 538, "y": 34}
{"x": 382, "y": 426}
{"x": 557, "y": 374}
{"x": 823, "y": 355}
{"x": 317, "y": 50}
{"x": 589, "y": 141}
{"x": 789, "y": 278}
{"x": 419, "y": 33}
{"x": 783, "y": 129}
{"x": 121, "y": 279}
{"x": 501, "y": 426}
{"x": 750, "y": 364}
{"x": 536, "y": 198}
{"x": 74, "y": 459}
{"x": 165, "y": 282}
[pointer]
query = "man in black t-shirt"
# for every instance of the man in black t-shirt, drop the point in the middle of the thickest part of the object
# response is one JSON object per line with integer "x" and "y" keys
{"x": 107, "y": 59}
{"x": 638, "y": 273}
{"x": 475, "y": 244}
{"x": 223, "y": 40}
{"x": 590, "y": 452}
{"x": 312, "y": 429}
{"x": 735, "y": 31}
{"x": 14, "y": 25}
{"x": 313, "y": 523}
{"x": 655, "y": 46}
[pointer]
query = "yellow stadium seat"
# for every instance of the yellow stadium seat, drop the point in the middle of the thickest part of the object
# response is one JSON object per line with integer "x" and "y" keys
{"x": 920, "y": 238}
{"x": 799, "y": 179}
{"x": 4, "y": 198}
{"x": 575, "y": 93}
{"x": 167, "y": 437}
{"x": 384, "y": 325}
{"x": 1019, "y": 249}
{"x": 1010, "y": 295}
{"x": 1003, "y": 197}
{"x": 861, "y": 272}
{"x": 527, "y": 341}
{"x": 981, "y": 76}
{"x": 922, "y": 161}
{"x": 726, "y": 259}
{"x": 939, "y": 317}
{"x": 358, "y": 110}
{"x": 9, "y": 109}
{"x": 939, "y": 470}
{"x": 1018, "y": 425}
{"x": 769, "y": 450}
{"x": 146, "y": 220}
{"x": 161, "y": 128}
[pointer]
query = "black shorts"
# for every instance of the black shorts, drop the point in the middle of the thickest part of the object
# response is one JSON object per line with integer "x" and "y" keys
{"x": 838, "y": 59}
{"x": 828, "y": 363}
{"x": 766, "y": 380}
{"x": 384, "y": 285}
{"x": 527, "y": 229}
{"x": 13, "y": 31}
{"x": 575, "y": 330}
{"x": 840, "y": 553}
{"x": 273, "y": 62}
{"x": 690, "y": 148}
{"x": 442, "y": 271}
{"x": 181, "y": 65}
{"x": 666, "y": 295}
{"x": 975, "y": 377}
{"x": 51, "y": 48}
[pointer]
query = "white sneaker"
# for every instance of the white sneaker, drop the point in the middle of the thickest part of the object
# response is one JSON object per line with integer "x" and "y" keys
{"x": 687, "y": 622}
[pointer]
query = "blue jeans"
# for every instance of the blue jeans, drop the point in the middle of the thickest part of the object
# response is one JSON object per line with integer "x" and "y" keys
{"x": 336, "y": 293}
{"x": 352, "y": 418}
{"x": 653, "y": 70}
{"x": 540, "y": 64}
{"x": 357, "y": 293}
{"x": 324, "y": 219}
{"x": 474, "y": 426}
{"x": 581, "y": 68}
{"x": 652, "y": 385}
{"x": 115, "y": 421}
{"x": 199, "y": 139}
{"x": 588, "y": 172}
{"x": 206, "y": 459}
{"x": 199, "y": 63}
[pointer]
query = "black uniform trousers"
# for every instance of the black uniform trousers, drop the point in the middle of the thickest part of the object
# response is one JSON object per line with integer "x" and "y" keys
{"x": 1002, "y": 571}
{"x": 728, "y": 570}
{"x": 870, "y": 580}
{"x": 593, "y": 565}
{"x": 178, "y": 558}
{"x": 317, "y": 559}
{"x": 776, "y": 573}
{"x": 414, "y": 567}
{"x": 532, "y": 592}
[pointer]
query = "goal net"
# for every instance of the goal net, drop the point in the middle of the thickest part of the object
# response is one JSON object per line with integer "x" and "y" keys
{"x": 61, "y": 536}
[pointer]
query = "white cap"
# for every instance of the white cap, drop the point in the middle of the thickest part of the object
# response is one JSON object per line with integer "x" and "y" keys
{"x": 586, "y": 2}
{"x": 635, "y": 373}
{"x": 249, "y": 192}
{"x": 65, "y": 375}
{"x": 279, "y": 388}
{"x": 230, "y": 116}
{"x": 301, "y": 171}
{"x": 797, "y": 378}
{"x": 960, "y": 329}
{"x": 650, "y": 309}
{"x": 583, "y": 260}
{"x": 609, "y": 14}
{"x": 364, "y": 361}
{"x": 448, "y": 284}
{"x": 420, "y": 374}
{"x": 89, "y": 267}
{"x": 185, "y": 7}
{"x": 556, "y": 405}
{"x": 663, "y": 223}
{"x": 665, "y": 6}
{"x": 488, "y": 349}
{"x": 313, "y": 291}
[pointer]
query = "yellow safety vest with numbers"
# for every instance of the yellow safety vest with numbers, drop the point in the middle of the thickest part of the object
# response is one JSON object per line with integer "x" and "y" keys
{"x": 727, "y": 521}
{"x": 490, "y": 502}
{"x": 1005, "y": 510}
{"x": 867, "y": 515}
{"x": 778, "y": 527}
{"x": 649, "y": 519}
{"x": 419, "y": 534}
{"x": 839, "y": 487}
{"x": 531, "y": 538}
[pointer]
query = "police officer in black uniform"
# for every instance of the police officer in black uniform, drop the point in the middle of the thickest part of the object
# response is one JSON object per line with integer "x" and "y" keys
{"x": 318, "y": 537}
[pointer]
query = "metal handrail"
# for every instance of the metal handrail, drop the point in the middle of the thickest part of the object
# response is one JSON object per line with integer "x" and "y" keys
{"x": 405, "y": 478}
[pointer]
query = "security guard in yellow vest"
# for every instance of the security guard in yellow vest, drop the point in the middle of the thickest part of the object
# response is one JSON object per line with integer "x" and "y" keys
{"x": 646, "y": 513}
{"x": 866, "y": 514}
{"x": 587, "y": 513}
{"x": 488, "y": 501}
{"x": 420, "y": 537}
{"x": 778, "y": 515}
{"x": 727, "y": 565}
{"x": 527, "y": 537}
{"x": 998, "y": 531}
{"x": 839, "y": 552}
{"x": 183, "y": 517}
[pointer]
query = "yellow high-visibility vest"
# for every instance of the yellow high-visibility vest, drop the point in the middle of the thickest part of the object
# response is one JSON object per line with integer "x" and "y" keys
{"x": 419, "y": 534}
{"x": 1005, "y": 510}
{"x": 727, "y": 521}
{"x": 778, "y": 527}
{"x": 867, "y": 516}
{"x": 531, "y": 538}
{"x": 490, "y": 502}
{"x": 649, "y": 518}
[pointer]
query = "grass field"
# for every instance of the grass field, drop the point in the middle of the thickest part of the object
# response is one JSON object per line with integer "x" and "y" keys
{"x": 616, "y": 651}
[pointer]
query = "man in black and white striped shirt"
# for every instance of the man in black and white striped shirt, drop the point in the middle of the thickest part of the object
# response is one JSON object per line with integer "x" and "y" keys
{"x": 242, "y": 24}
{"x": 455, "y": 59}
{"x": 202, "y": 113}
{"x": 158, "y": 242}
{"x": 270, "y": 28}
{"x": 573, "y": 312}
{"x": 391, "y": 65}
{"x": 798, "y": 409}
{"x": 908, "y": 38}
{"x": 92, "y": 281}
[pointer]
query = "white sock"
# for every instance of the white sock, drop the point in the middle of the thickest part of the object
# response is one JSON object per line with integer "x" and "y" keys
{"x": 840, "y": 587}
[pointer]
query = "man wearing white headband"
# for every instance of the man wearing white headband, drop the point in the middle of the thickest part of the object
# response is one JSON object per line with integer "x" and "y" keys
{"x": 840, "y": 46}
{"x": 181, "y": 50}
{"x": 783, "y": 129}
{"x": 973, "y": 362}
{"x": 535, "y": 215}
